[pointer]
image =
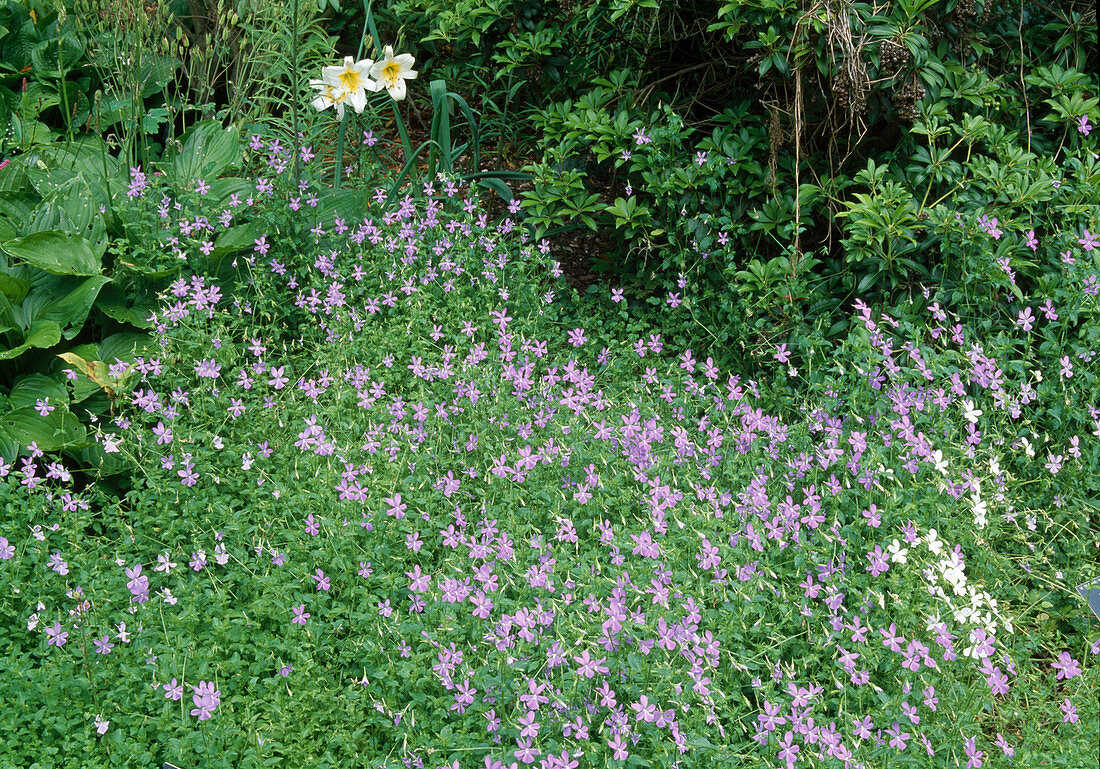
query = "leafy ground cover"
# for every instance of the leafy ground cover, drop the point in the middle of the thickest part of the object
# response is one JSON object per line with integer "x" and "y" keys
{"x": 401, "y": 499}
{"x": 309, "y": 456}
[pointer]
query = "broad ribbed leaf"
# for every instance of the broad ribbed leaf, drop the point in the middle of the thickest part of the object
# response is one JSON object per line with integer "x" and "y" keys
{"x": 64, "y": 300}
{"x": 32, "y": 388}
{"x": 52, "y": 432}
{"x": 42, "y": 334}
{"x": 207, "y": 151}
{"x": 57, "y": 252}
{"x": 14, "y": 288}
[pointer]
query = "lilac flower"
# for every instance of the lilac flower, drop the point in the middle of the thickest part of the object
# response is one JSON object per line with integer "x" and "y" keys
{"x": 1025, "y": 320}
{"x": 323, "y": 582}
{"x": 1083, "y": 126}
{"x": 6, "y": 549}
{"x": 1066, "y": 666}
{"x": 1032, "y": 242}
{"x": 1070, "y": 711}
{"x": 57, "y": 637}
{"x": 300, "y": 614}
{"x": 173, "y": 690}
{"x": 973, "y": 754}
{"x": 312, "y": 528}
{"x": 206, "y": 699}
{"x": 103, "y": 645}
{"x": 897, "y": 736}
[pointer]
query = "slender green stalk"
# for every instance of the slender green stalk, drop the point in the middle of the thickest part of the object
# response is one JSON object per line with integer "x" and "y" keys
{"x": 295, "y": 90}
{"x": 340, "y": 152}
{"x": 406, "y": 145}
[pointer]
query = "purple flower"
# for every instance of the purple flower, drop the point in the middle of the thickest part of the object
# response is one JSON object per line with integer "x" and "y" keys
{"x": 6, "y": 550}
{"x": 206, "y": 699}
{"x": 57, "y": 637}
{"x": 173, "y": 690}
{"x": 1083, "y": 126}
{"x": 312, "y": 528}
{"x": 321, "y": 580}
{"x": 972, "y": 752}
{"x": 1070, "y": 711}
{"x": 1066, "y": 666}
{"x": 1026, "y": 320}
{"x": 300, "y": 614}
{"x": 103, "y": 645}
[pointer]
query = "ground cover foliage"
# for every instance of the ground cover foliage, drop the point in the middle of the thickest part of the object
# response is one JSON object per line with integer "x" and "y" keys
{"x": 394, "y": 505}
{"x": 308, "y": 459}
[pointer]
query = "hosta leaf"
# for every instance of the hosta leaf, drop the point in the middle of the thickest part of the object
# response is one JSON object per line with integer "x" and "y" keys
{"x": 64, "y": 300}
{"x": 42, "y": 334}
{"x": 32, "y": 388}
{"x": 208, "y": 150}
{"x": 57, "y": 252}
{"x": 52, "y": 432}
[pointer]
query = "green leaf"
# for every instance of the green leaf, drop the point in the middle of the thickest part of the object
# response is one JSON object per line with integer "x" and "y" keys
{"x": 125, "y": 308}
{"x": 207, "y": 151}
{"x": 235, "y": 239}
{"x": 32, "y": 388}
{"x": 64, "y": 300}
{"x": 57, "y": 252}
{"x": 52, "y": 432}
{"x": 14, "y": 288}
{"x": 42, "y": 334}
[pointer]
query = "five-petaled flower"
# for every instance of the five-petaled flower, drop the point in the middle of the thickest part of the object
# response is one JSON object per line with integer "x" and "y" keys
{"x": 57, "y": 637}
{"x": 206, "y": 699}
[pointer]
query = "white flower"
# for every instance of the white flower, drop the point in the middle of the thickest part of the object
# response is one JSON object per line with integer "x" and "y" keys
{"x": 981, "y": 510}
{"x": 329, "y": 97}
{"x": 937, "y": 459}
{"x": 897, "y": 552}
{"x": 971, "y": 414}
{"x": 351, "y": 80}
{"x": 101, "y": 724}
{"x": 392, "y": 72}
{"x": 935, "y": 545}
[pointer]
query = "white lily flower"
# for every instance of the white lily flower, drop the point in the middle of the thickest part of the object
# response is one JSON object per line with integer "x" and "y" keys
{"x": 329, "y": 96}
{"x": 391, "y": 72}
{"x": 353, "y": 77}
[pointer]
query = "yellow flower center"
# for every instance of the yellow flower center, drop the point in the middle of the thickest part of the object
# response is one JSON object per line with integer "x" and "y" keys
{"x": 351, "y": 80}
{"x": 391, "y": 72}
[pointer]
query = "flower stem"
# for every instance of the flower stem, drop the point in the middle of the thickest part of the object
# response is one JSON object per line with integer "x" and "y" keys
{"x": 340, "y": 152}
{"x": 406, "y": 145}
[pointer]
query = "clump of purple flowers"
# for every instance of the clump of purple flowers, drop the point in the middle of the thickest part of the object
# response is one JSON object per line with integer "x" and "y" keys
{"x": 206, "y": 699}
